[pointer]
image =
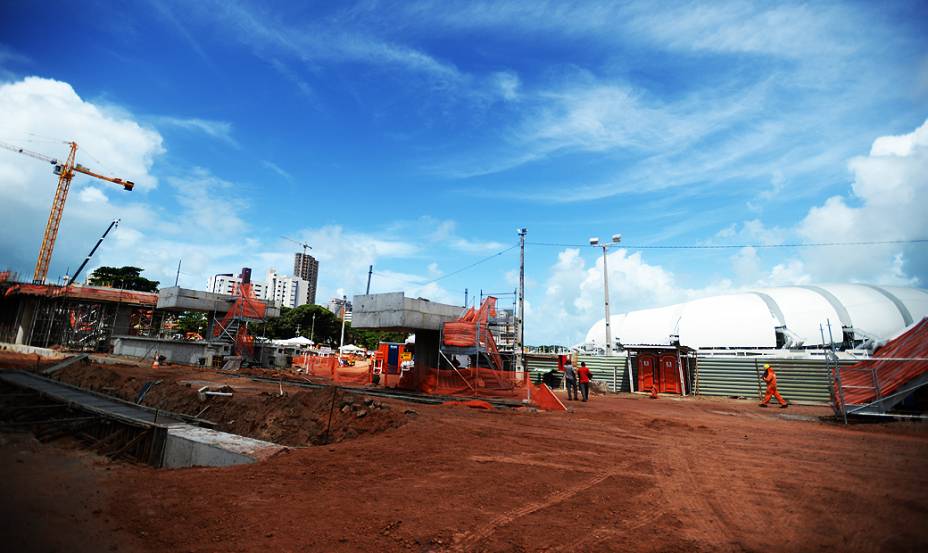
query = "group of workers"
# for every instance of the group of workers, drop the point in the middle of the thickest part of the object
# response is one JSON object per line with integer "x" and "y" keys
{"x": 583, "y": 377}
{"x": 574, "y": 376}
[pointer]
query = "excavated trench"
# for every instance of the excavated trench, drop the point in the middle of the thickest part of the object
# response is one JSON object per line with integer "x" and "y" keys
{"x": 295, "y": 418}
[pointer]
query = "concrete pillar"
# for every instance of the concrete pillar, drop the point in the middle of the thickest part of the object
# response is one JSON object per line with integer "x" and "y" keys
{"x": 26, "y": 320}
{"x": 121, "y": 321}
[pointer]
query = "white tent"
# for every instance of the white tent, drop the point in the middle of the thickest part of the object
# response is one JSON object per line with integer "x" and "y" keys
{"x": 351, "y": 348}
{"x": 299, "y": 341}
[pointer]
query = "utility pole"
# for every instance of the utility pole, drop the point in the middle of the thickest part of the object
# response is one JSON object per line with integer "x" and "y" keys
{"x": 616, "y": 238}
{"x": 606, "y": 303}
{"x": 177, "y": 276}
{"x": 521, "y": 331}
{"x": 312, "y": 329}
{"x": 370, "y": 271}
{"x": 465, "y": 298}
{"x": 344, "y": 312}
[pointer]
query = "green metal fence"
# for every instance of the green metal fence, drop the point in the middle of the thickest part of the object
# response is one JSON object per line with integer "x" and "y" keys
{"x": 798, "y": 380}
{"x": 610, "y": 371}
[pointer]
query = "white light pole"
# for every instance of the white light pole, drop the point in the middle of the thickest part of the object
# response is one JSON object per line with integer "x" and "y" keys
{"x": 344, "y": 312}
{"x": 616, "y": 238}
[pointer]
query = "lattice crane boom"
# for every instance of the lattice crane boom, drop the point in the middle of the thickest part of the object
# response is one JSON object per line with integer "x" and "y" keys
{"x": 65, "y": 172}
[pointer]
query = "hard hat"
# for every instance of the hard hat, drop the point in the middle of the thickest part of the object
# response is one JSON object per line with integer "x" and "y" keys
{"x": 766, "y": 366}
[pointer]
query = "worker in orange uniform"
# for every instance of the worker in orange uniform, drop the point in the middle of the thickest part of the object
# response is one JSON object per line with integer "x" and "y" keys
{"x": 584, "y": 376}
{"x": 770, "y": 378}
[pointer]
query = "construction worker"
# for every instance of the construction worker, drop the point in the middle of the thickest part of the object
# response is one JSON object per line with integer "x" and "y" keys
{"x": 570, "y": 379}
{"x": 770, "y": 378}
{"x": 585, "y": 376}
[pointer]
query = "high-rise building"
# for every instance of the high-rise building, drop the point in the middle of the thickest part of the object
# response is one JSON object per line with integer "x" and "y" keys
{"x": 335, "y": 306}
{"x": 306, "y": 267}
{"x": 228, "y": 284}
{"x": 285, "y": 290}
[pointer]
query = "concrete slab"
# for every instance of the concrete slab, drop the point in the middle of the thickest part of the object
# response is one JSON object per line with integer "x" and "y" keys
{"x": 394, "y": 311}
{"x": 176, "y": 298}
{"x": 174, "y": 351}
{"x": 192, "y": 446}
{"x": 44, "y": 352}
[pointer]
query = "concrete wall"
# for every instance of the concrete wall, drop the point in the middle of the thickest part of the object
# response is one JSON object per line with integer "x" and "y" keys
{"x": 394, "y": 311}
{"x": 174, "y": 351}
{"x": 192, "y": 446}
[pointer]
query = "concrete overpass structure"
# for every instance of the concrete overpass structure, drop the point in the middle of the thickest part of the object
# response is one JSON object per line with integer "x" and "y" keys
{"x": 394, "y": 311}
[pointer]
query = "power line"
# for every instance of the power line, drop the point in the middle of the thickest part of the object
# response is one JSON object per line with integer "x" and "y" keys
{"x": 452, "y": 273}
{"x": 739, "y": 246}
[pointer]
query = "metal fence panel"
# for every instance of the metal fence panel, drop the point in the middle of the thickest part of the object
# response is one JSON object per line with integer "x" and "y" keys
{"x": 608, "y": 370}
{"x": 799, "y": 380}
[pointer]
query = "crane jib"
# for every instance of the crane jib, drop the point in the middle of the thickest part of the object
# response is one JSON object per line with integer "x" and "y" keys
{"x": 65, "y": 172}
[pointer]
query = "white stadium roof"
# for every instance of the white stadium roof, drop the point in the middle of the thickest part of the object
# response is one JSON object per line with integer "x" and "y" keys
{"x": 750, "y": 319}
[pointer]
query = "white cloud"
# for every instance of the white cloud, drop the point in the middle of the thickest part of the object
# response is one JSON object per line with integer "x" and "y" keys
{"x": 208, "y": 230}
{"x": 219, "y": 130}
{"x": 508, "y": 84}
{"x": 40, "y": 114}
{"x": 344, "y": 257}
{"x": 887, "y": 202}
{"x": 572, "y": 298}
{"x": 277, "y": 169}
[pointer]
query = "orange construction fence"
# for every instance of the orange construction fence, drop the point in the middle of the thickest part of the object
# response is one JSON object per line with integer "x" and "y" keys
{"x": 462, "y": 382}
{"x": 891, "y": 367}
{"x": 328, "y": 367}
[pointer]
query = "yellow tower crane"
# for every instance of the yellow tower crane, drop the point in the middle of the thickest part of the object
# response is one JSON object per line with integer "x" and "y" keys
{"x": 65, "y": 172}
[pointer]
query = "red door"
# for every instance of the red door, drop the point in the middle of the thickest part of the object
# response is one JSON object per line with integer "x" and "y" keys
{"x": 645, "y": 372}
{"x": 669, "y": 375}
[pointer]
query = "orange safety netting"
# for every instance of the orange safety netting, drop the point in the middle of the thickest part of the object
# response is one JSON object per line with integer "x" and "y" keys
{"x": 482, "y": 382}
{"x": 891, "y": 367}
{"x": 329, "y": 368}
{"x": 463, "y": 382}
{"x": 246, "y": 306}
{"x": 472, "y": 331}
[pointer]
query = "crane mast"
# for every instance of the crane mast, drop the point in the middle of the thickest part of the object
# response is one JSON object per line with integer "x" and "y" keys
{"x": 65, "y": 172}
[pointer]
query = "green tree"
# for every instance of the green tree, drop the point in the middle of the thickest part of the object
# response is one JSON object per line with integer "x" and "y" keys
{"x": 327, "y": 329}
{"x": 369, "y": 339}
{"x": 124, "y": 278}
{"x": 192, "y": 321}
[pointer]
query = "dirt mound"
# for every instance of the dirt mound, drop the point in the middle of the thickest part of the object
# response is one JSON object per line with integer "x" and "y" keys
{"x": 297, "y": 419}
{"x": 25, "y": 361}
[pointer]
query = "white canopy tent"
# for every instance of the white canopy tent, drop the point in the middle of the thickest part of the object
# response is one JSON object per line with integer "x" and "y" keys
{"x": 296, "y": 342}
{"x": 351, "y": 348}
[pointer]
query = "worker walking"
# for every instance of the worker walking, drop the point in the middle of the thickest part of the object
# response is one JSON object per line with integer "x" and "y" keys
{"x": 770, "y": 378}
{"x": 570, "y": 379}
{"x": 585, "y": 376}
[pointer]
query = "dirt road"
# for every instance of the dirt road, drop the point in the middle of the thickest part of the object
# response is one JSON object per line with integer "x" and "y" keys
{"x": 619, "y": 473}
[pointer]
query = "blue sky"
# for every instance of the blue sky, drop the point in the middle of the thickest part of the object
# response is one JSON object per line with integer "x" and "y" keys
{"x": 417, "y": 136}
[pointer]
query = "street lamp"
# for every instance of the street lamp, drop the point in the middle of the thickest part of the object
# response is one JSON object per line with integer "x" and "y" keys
{"x": 616, "y": 238}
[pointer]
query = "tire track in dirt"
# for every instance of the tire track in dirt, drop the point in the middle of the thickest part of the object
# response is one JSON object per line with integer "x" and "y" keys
{"x": 676, "y": 486}
{"x": 471, "y": 539}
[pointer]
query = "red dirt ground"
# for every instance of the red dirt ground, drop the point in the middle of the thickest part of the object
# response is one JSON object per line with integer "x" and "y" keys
{"x": 620, "y": 473}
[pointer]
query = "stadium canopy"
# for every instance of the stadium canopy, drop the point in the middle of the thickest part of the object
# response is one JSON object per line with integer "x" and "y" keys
{"x": 754, "y": 318}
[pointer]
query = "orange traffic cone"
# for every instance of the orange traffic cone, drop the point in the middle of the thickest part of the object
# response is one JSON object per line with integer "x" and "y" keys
{"x": 155, "y": 364}
{"x": 653, "y": 392}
